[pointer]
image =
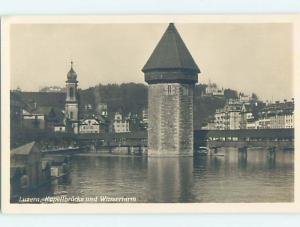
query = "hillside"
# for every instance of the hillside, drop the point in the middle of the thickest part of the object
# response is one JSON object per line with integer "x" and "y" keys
{"x": 127, "y": 97}
{"x": 132, "y": 97}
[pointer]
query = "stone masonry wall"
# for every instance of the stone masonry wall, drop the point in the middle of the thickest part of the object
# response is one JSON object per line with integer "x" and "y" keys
{"x": 186, "y": 129}
{"x": 170, "y": 112}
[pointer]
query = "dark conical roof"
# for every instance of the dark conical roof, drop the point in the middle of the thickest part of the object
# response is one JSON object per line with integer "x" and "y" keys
{"x": 171, "y": 53}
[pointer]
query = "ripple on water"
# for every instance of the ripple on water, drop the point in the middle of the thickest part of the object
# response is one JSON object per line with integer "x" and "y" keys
{"x": 205, "y": 179}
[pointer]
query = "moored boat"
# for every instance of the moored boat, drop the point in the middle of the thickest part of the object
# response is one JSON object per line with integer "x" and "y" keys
{"x": 214, "y": 151}
{"x": 202, "y": 151}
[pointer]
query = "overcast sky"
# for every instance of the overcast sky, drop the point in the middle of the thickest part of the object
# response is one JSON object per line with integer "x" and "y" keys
{"x": 247, "y": 57}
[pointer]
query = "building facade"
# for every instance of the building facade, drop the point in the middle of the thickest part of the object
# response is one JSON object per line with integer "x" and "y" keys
{"x": 212, "y": 89}
{"x": 238, "y": 114}
{"x": 252, "y": 124}
{"x": 89, "y": 126}
{"x": 282, "y": 121}
{"x": 263, "y": 123}
{"x": 279, "y": 114}
{"x": 171, "y": 74}
{"x": 220, "y": 119}
{"x": 145, "y": 116}
{"x": 289, "y": 121}
{"x": 33, "y": 120}
{"x": 102, "y": 109}
{"x": 59, "y": 128}
{"x": 234, "y": 120}
{"x": 228, "y": 118}
{"x": 119, "y": 124}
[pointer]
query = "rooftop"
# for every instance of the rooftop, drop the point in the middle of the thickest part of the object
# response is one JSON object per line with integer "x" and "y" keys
{"x": 72, "y": 75}
{"x": 171, "y": 53}
{"x": 24, "y": 150}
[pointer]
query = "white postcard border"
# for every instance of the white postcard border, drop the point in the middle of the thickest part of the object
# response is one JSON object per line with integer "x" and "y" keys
{"x": 7, "y": 207}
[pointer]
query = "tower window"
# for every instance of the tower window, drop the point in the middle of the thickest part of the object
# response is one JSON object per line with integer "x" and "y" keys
{"x": 71, "y": 115}
{"x": 169, "y": 89}
{"x": 71, "y": 92}
{"x": 185, "y": 91}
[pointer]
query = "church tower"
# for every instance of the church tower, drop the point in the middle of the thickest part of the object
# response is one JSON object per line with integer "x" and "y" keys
{"x": 171, "y": 74}
{"x": 71, "y": 106}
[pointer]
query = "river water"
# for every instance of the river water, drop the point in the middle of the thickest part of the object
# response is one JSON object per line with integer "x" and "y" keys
{"x": 229, "y": 178}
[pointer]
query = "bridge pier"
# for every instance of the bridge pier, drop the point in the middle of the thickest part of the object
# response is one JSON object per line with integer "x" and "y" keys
{"x": 213, "y": 151}
{"x": 128, "y": 150}
{"x": 243, "y": 152}
{"x": 272, "y": 153}
{"x": 140, "y": 150}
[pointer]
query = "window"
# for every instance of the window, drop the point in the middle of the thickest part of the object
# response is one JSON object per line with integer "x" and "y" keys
{"x": 71, "y": 92}
{"x": 185, "y": 91}
{"x": 169, "y": 89}
{"x": 71, "y": 115}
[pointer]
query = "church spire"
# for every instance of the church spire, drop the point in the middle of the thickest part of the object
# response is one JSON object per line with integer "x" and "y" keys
{"x": 71, "y": 104}
{"x": 72, "y": 75}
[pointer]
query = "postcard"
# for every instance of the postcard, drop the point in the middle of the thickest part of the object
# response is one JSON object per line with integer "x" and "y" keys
{"x": 150, "y": 114}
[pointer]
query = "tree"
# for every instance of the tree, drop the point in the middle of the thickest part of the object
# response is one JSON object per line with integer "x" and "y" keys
{"x": 230, "y": 94}
{"x": 254, "y": 97}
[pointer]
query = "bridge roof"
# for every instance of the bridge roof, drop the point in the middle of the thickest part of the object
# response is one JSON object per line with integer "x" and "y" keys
{"x": 105, "y": 136}
{"x": 243, "y": 133}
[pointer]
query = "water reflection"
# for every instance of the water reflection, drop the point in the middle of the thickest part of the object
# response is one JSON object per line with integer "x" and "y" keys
{"x": 256, "y": 177}
{"x": 170, "y": 179}
{"x": 113, "y": 176}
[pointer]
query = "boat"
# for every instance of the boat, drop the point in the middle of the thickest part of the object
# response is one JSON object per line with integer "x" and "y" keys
{"x": 202, "y": 151}
{"x": 215, "y": 152}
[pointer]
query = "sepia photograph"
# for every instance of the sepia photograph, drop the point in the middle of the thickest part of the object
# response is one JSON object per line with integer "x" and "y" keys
{"x": 193, "y": 112}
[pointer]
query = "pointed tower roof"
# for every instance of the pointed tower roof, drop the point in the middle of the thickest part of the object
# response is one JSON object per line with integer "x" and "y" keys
{"x": 72, "y": 75}
{"x": 171, "y": 53}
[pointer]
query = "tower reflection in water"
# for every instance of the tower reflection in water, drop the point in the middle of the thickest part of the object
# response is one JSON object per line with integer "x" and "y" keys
{"x": 170, "y": 179}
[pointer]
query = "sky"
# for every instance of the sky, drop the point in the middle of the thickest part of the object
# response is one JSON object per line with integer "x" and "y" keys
{"x": 246, "y": 57}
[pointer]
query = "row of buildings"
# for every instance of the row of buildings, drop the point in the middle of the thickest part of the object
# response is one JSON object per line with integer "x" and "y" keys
{"x": 242, "y": 114}
{"x": 62, "y": 112}
{"x": 212, "y": 89}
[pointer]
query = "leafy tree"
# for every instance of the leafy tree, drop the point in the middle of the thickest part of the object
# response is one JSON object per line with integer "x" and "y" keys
{"x": 254, "y": 97}
{"x": 230, "y": 94}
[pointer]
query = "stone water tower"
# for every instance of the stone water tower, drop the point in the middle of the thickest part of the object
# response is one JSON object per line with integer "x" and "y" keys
{"x": 171, "y": 73}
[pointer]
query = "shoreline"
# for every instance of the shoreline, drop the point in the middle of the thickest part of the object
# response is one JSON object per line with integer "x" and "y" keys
{"x": 98, "y": 154}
